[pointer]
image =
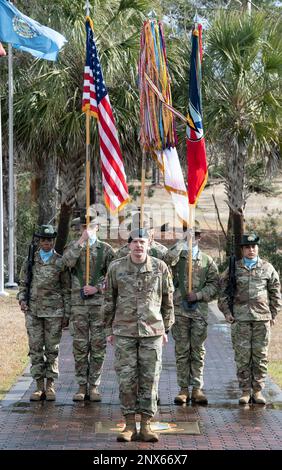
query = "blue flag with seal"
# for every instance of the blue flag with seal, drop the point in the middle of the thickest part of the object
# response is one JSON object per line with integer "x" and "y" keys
{"x": 27, "y": 35}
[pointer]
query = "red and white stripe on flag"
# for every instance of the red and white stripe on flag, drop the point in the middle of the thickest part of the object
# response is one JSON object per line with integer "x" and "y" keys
{"x": 89, "y": 96}
{"x": 113, "y": 174}
{"x": 96, "y": 100}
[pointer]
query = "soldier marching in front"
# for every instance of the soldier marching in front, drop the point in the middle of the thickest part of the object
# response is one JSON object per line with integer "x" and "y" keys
{"x": 138, "y": 313}
{"x": 191, "y": 316}
{"x": 86, "y": 324}
{"x": 256, "y": 302}
{"x": 44, "y": 296}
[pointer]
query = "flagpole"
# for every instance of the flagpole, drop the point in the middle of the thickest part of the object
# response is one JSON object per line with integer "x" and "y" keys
{"x": 2, "y": 292}
{"x": 87, "y": 176}
{"x": 11, "y": 283}
{"x": 143, "y": 172}
{"x": 87, "y": 268}
{"x": 196, "y": 153}
{"x": 190, "y": 246}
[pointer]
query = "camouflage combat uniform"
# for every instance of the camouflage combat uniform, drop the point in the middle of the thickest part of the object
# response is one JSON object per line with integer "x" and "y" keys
{"x": 190, "y": 328}
{"x": 138, "y": 309}
{"x": 256, "y": 302}
{"x": 49, "y": 303}
{"x": 156, "y": 249}
{"x": 89, "y": 341}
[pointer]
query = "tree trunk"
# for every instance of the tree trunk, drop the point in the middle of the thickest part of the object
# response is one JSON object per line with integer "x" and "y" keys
{"x": 47, "y": 197}
{"x": 95, "y": 194}
{"x": 148, "y": 167}
{"x": 63, "y": 227}
{"x": 235, "y": 232}
{"x": 72, "y": 193}
{"x": 237, "y": 195}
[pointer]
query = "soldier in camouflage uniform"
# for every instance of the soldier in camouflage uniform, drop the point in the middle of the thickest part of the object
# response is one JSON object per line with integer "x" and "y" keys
{"x": 138, "y": 311}
{"x": 191, "y": 318}
{"x": 89, "y": 341}
{"x": 156, "y": 249}
{"x": 47, "y": 313}
{"x": 255, "y": 306}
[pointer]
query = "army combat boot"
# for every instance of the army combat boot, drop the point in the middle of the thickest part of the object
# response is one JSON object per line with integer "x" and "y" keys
{"x": 80, "y": 394}
{"x": 94, "y": 394}
{"x": 130, "y": 432}
{"x": 146, "y": 433}
{"x": 259, "y": 398}
{"x": 50, "y": 390}
{"x": 182, "y": 397}
{"x": 39, "y": 392}
{"x": 245, "y": 397}
{"x": 198, "y": 396}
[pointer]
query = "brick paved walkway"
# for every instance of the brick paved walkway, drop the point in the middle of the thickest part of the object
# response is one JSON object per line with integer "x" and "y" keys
{"x": 67, "y": 425}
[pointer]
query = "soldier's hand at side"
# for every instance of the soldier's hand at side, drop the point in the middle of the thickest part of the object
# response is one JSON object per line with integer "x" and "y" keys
{"x": 229, "y": 318}
{"x": 23, "y": 306}
{"x": 272, "y": 322}
{"x": 110, "y": 340}
{"x": 165, "y": 338}
{"x": 192, "y": 297}
{"x": 90, "y": 290}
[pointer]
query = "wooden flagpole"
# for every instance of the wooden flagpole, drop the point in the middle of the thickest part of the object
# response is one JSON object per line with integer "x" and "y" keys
{"x": 87, "y": 185}
{"x": 190, "y": 246}
{"x": 143, "y": 174}
{"x": 87, "y": 182}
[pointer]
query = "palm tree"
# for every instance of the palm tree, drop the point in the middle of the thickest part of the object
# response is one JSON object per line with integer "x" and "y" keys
{"x": 49, "y": 124}
{"x": 243, "y": 100}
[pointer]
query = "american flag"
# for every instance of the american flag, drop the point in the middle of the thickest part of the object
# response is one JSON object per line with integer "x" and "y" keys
{"x": 96, "y": 99}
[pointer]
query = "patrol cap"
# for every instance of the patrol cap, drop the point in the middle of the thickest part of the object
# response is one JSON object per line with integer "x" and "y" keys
{"x": 138, "y": 233}
{"x": 46, "y": 231}
{"x": 249, "y": 239}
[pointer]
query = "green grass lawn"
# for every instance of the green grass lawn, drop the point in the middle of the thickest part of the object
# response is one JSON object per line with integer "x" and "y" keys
{"x": 275, "y": 372}
{"x": 15, "y": 372}
{"x": 13, "y": 342}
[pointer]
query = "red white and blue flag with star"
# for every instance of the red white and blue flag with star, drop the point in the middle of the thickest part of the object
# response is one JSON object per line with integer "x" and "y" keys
{"x": 96, "y": 100}
{"x": 196, "y": 150}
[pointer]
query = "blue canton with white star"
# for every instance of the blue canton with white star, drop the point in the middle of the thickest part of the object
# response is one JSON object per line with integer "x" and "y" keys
{"x": 93, "y": 62}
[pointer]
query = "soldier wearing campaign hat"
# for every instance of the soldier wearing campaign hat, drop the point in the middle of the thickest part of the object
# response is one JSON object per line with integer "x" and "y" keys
{"x": 44, "y": 296}
{"x": 191, "y": 314}
{"x": 89, "y": 341}
{"x": 250, "y": 239}
{"x": 256, "y": 303}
